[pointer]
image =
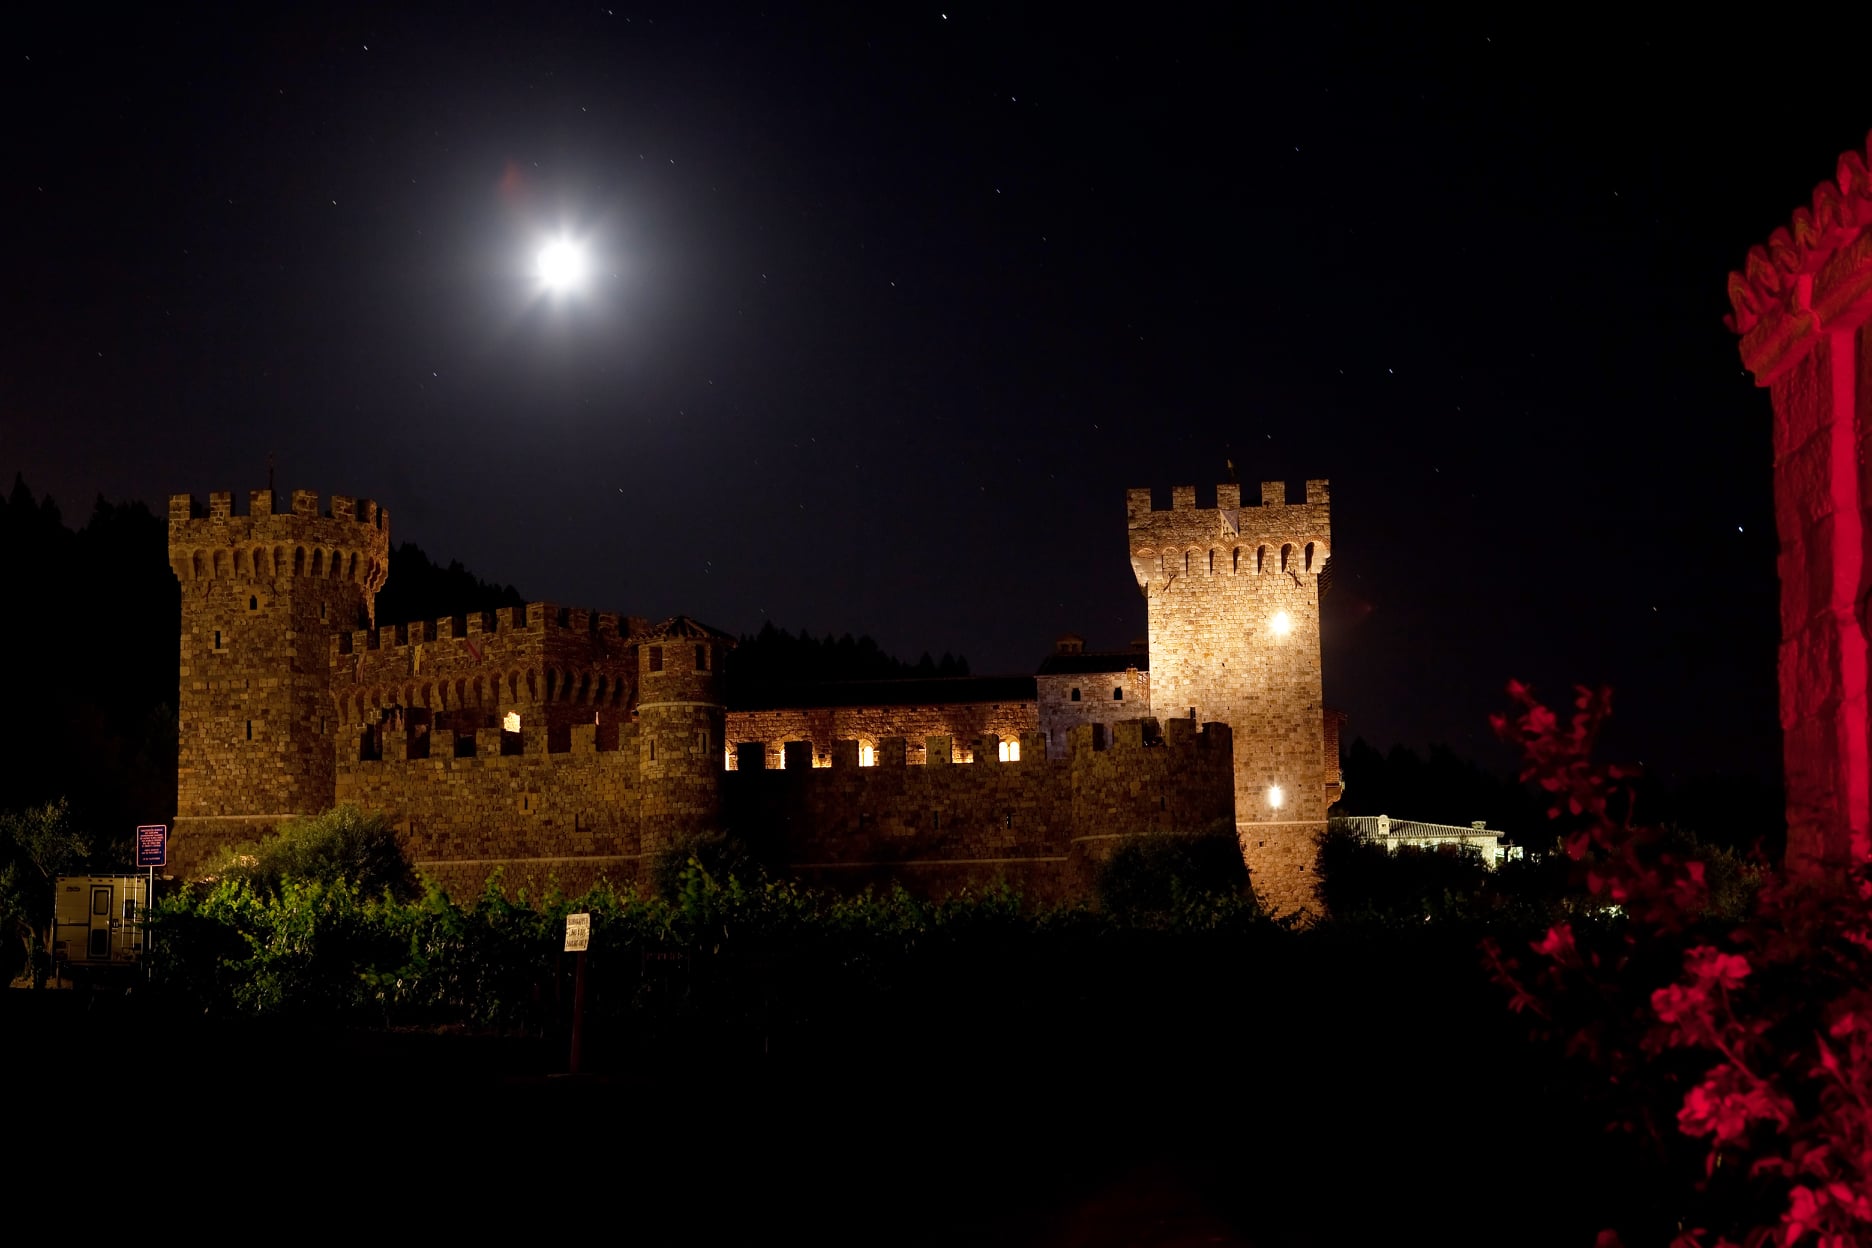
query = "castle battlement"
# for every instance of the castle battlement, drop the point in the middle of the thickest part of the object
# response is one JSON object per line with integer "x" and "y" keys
{"x": 305, "y": 504}
{"x": 535, "y": 619}
{"x": 1230, "y": 538}
{"x": 341, "y": 538}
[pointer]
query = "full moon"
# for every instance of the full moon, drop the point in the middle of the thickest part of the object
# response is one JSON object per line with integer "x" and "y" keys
{"x": 561, "y": 265}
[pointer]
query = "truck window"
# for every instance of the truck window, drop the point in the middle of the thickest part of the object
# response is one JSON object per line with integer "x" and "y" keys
{"x": 100, "y": 901}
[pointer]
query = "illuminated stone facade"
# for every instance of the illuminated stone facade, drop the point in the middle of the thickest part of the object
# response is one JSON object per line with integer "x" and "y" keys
{"x": 1234, "y": 596}
{"x": 1802, "y": 306}
{"x": 261, "y": 594}
{"x": 560, "y": 744}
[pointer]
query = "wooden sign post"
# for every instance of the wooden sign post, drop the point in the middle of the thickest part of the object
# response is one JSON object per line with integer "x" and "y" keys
{"x": 578, "y": 937}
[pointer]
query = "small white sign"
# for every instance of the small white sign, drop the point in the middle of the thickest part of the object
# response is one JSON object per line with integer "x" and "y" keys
{"x": 578, "y": 932}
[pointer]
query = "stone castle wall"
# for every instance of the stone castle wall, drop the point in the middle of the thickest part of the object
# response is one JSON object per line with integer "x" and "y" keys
{"x": 1059, "y": 714}
{"x": 1233, "y": 596}
{"x": 260, "y": 594}
{"x": 963, "y": 723}
{"x": 567, "y": 745}
{"x": 538, "y": 815}
{"x": 572, "y": 817}
{"x": 1041, "y": 824}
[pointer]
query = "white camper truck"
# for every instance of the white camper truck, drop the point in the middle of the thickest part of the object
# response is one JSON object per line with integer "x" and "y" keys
{"x": 99, "y": 920}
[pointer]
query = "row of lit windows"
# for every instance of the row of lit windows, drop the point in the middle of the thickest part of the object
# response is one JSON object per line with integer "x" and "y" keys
{"x": 1008, "y": 750}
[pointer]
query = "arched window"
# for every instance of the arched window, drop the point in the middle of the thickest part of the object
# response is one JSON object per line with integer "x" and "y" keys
{"x": 1009, "y": 751}
{"x": 1235, "y": 564}
{"x": 1212, "y": 563}
{"x": 1118, "y": 694}
{"x": 253, "y": 603}
{"x": 867, "y": 754}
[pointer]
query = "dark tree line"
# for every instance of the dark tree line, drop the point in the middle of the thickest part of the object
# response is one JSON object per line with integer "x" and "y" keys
{"x": 775, "y": 657}
{"x": 421, "y": 589}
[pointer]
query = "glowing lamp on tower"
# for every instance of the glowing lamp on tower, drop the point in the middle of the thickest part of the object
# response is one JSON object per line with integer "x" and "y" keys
{"x": 1275, "y": 796}
{"x": 1282, "y": 624}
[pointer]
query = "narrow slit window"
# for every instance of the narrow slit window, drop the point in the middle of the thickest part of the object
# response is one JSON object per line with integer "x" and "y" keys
{"x": 253, "y": 603}
{"x": 656, "y": 658}
{"x": 701, "y": 658}
{"x": 250, "y": 730}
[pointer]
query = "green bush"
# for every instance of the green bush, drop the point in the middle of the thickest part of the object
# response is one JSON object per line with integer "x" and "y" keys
{"x": 343, "y": 845}
{"x": 722, "y": 855}
{"x": 1159, "y": 877}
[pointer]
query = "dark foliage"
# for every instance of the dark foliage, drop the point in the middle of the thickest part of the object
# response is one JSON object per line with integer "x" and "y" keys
{"x": 722, "y": 855}
{"x": 775, "y": 656}
{"x": 1440, "y": 788}
{"x": 421, "y": 589}
{"x": 91, "y": 709}
{"x": 343, "y": 844}
{"x": 1153, "y": 877}
{"x": 1362, "y": 881}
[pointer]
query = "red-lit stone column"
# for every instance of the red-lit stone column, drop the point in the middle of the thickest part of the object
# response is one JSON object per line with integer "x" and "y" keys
{"x": 1802, "y": 307}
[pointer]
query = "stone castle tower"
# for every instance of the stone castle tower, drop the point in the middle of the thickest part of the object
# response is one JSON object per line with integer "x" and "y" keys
{"x": 682, "y": 720}
{"x": 1234, "y": 598}
{"x": 261, "y": 595}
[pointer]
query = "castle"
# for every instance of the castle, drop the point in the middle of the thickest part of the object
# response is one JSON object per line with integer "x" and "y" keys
{"x": 563, "y": 745}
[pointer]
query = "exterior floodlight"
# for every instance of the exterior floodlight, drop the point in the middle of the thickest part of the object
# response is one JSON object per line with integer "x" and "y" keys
{"x": 1282, "y": 624}
{"x": 1275, "y": 796}
{"x": 561, "y": 265}
{"x": 511, "y": 722}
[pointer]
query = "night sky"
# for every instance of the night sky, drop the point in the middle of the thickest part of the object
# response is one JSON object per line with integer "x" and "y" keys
{"x": 891, "y": 310}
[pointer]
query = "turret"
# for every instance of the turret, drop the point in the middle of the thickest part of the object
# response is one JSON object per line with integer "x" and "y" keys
{"x": 262, "y": 594}
{"x": 1233, "y": 595}
{"x": 681, "y": 730}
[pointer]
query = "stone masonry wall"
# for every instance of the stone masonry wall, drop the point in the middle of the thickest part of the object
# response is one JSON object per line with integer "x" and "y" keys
{"x": 1041, "y": 824}
{"x": 1059, "y": 714}
{"x": 538, "y": 815}
{"x": 260, "y": 593}
{"x": 963, "y": 723}
{"x": 1220, "y": 581}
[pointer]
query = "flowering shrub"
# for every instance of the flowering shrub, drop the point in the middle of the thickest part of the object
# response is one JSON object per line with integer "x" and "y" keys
{"x": 1746, "y": 1042}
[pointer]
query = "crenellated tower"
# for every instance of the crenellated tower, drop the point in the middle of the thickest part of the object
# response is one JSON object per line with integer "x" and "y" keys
{"x": 262, "y": 595}
{"x": 682, "y": 729}
{"x": 1234, "y": 594}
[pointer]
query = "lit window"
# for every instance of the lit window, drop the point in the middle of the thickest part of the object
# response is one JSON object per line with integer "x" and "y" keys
{"x": 1275, "y": 797}
{"x": 1282, "y": 624}
{"x": 510, "y": 722}
{"x": 867, "y": 754}
{"x": 1010, "y": 751}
